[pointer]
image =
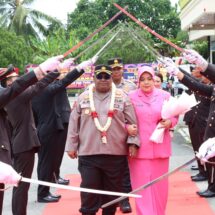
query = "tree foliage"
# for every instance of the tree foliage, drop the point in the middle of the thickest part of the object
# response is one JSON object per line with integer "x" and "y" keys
{"x": 159, "y": 15}
{"x": 13, "y": 49}
{"x": 18, "y": 16}
{"x": 55, "y": 43}
{"x": 89, "y": 15}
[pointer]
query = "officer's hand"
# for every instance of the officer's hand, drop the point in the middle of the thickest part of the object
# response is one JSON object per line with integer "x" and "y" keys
{"x": 51, "y": 64}
{"x": 8, "y": 175}
{"x": 206, "y": 150}
{"x": 86, "y": 63}
{"x": 132, "y": 130}
{"x": 72, "y": 154}
{"x": 66, "y": 64}
{"x": 194, "y": 57}
{"x": 171, "y": 67}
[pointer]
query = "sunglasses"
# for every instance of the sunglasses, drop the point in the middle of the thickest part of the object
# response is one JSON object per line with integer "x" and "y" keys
{"x": 104, "y": 76}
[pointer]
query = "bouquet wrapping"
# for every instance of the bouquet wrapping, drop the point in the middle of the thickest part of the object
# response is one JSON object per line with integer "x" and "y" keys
{"x": 173, "y": 108}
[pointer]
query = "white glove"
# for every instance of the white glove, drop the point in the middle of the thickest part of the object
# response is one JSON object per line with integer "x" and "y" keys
{"x": 86, "y": 63}
{"x": 51, "y": 64}
{"x": 171, "y": 67}
{"x": 8, "y": 175}
{"x": 66, "y": 64}
{"x": 194, "y": 57}
{"x": 206, "y": 150}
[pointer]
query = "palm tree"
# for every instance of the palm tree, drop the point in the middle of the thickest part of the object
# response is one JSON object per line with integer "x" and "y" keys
{"x": 18, "y": 16}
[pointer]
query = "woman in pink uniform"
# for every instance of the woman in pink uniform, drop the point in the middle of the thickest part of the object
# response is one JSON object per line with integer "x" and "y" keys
{"x": 152, "y": 159}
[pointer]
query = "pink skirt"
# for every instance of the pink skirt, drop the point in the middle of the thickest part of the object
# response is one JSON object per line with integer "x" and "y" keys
{"x": 154, "y": 198}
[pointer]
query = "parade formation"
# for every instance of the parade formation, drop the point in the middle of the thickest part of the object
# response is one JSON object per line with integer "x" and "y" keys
{"x": 120, "y": 130}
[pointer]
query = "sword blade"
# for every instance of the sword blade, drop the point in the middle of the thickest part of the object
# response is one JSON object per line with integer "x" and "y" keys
{"x": 66, "y": 187}
{"x": 109, "y": 41}
{"x": 151, "y": 182}
{"x": 96, "y": 42}
{"x": 148, "y": 29}
{"x": 93, "y": 34}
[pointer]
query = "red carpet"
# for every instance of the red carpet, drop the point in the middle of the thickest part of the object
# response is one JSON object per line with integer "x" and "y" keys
{"x": 182, "y": 199}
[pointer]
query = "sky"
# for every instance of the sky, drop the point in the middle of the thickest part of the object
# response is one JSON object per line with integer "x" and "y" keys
{"x": 56, "y": 8}
{"x": 60, "y": 8}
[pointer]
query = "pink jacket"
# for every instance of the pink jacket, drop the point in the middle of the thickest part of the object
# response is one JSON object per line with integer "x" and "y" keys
{"x": 148, "y": 112}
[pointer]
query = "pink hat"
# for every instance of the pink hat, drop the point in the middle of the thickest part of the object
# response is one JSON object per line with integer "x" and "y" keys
{"x": 148, "y": 69}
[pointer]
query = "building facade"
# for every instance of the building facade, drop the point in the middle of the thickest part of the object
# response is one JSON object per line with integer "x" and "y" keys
{"x": 198, "y": 18}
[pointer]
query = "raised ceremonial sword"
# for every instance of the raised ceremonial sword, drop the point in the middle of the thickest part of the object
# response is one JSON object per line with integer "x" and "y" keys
{"x": 143, "y": 187}
{"x": 92, "y": 34}
{"x": 148, "y": 28}
{"x": 66, "y": 187}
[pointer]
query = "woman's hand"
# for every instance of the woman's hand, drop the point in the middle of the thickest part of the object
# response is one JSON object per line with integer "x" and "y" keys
{"x": 165, "y": 123}
{"x": 132, "y": 151}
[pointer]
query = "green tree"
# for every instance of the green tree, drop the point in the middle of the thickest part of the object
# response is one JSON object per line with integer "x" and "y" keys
{"x": 201, "y": 46}
{"x": 13, "y": 49}
{"x": 56, "y": 43}
{"x": 17, "y": 16}
{"x": 159, "y": 15}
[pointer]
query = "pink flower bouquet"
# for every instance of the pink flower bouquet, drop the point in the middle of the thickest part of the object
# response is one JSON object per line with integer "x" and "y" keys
{"x": 172, "y": 108}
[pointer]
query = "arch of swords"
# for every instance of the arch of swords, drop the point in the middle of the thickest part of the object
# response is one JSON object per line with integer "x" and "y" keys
{"x": 108, "y": 38}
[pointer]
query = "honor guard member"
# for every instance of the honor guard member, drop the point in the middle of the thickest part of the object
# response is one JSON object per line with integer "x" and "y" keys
{"x": 127, "y": 86}
{"x": 196, "y": 120}
{"x": 24, "y": 140}
{"x": 208, "y": 91}
{"x": 52, "y": 110}
{"x": 8, "y": 94}
{"x": 97, "y": 135}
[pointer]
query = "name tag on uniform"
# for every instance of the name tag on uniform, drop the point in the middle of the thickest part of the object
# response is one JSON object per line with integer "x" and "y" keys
{"x": 119, "y": 106}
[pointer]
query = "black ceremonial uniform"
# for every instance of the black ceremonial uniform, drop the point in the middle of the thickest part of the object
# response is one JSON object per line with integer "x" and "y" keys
{"x": 6, "y": 95}
{"x": 24, "y": 139}
{"x": 209, "y": 91}
{"x": 51, "y": 109}
{"x": 210, "y": 72}
{"x": 196, "y": 120}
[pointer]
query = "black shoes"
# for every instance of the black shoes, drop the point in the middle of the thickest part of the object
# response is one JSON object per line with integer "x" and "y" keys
{"x": 62, "y": 181}
{"x": 206, "y": 194}
{"x": 49, "y": 198}
{"x": 194, "y": 167}
{"x": 55, "y": 196}
{"x": 125, "y": 206}
{"x": 199, "y": 177}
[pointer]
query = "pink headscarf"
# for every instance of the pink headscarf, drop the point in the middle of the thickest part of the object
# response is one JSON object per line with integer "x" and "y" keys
{"x": 147, "y": 69}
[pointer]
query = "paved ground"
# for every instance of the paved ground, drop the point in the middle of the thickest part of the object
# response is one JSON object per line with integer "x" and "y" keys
{"x": 182, "y": 152}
